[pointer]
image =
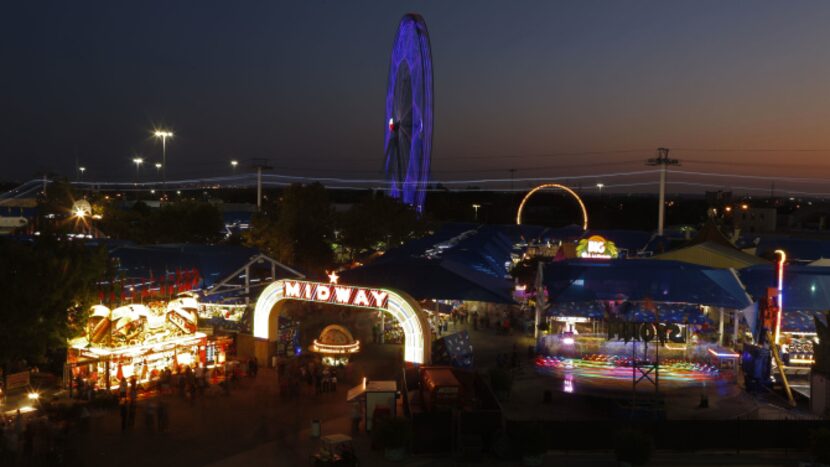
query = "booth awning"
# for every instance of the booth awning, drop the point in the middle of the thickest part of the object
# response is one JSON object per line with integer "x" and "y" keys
{"x": 713, "y": 255}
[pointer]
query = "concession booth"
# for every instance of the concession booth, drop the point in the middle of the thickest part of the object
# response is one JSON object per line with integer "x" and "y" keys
{"x": 140, "y": 340}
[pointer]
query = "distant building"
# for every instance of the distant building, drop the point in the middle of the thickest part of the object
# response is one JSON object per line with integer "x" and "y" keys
{"x": 755, "y": 220}
{"x": 718, "y": 198}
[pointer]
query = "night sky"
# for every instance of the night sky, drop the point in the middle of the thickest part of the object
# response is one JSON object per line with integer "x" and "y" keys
{"x": 547, "y": 88}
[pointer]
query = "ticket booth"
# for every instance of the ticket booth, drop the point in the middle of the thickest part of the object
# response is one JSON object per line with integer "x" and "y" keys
{"x": 726, "y": 361}
{"x": 378, "y": 398}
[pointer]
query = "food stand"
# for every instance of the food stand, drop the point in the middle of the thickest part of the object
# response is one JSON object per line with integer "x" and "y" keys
{"x": 141, "y": 340}
{"x": 440, "y": 389}
{"x": 379, "y": 398}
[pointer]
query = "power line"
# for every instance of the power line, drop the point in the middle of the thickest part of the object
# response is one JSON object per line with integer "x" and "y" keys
{"x": 756, "y": 177}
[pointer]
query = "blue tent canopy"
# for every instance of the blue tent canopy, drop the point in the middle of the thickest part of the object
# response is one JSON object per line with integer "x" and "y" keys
{"x": 459, "y": 262}
{"x": 801, "y": 321}
{"x": 806, "y": 288}
{"x": 431, "y": 279}
{"x": 638, "y": 280}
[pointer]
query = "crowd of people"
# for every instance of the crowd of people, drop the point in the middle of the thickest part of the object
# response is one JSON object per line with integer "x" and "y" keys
{"x": 309, "y": 376}
{"x": 503, "y": 321}
{"x": 31, "y": 439}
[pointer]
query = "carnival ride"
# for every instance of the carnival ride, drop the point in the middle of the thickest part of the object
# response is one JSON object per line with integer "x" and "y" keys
{"x": 335, "y": 344}
{"x": 559, "y": 187}
{"x": 409, "y": 97}
{"x": 611, "y": 370}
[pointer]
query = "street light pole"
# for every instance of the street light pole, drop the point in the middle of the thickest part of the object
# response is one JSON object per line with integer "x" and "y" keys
{"x": 260, "y": 165}
{"x": 163, "y": 134}
{"x": 137, "y": 161}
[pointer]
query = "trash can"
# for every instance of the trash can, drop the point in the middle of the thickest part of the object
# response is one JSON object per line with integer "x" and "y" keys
{"x": 315, "y": 428}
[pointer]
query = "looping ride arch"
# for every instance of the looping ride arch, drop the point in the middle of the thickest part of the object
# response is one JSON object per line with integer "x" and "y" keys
{"x": 560, "y": 187}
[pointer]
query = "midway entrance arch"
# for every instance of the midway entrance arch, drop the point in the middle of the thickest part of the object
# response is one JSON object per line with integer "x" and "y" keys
{"x": 413, "y": 320}
{"x": 560, "y": 187}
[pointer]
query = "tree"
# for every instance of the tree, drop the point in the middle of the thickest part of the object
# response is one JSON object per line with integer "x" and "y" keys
{"x": 187, "y": 222}
{"x": 46, "y": 286}
{"x": 179, "y": 222}
{"x": 297, "y": 230}
{"x": 379, "y": 223}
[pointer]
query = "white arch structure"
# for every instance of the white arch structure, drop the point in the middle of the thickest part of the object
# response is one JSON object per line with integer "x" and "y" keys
{"x": 557, "y": 186}
{"x": 413, "y": 321}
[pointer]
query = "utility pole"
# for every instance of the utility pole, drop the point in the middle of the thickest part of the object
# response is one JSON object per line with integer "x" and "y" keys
{"x": 663, "y": 161}
{"x": 260, "y": 165}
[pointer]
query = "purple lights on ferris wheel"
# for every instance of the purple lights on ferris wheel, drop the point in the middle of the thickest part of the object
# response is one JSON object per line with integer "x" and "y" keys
{"x": 408, "y": 134}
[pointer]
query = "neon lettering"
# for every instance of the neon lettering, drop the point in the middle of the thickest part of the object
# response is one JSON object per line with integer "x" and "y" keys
{"x": 342, "y": 294}
{"x": 380, "y": 298}
{"x": 323, "y": 293}
{"x": 292, "y": 289}
{"x": 360, "y": 298}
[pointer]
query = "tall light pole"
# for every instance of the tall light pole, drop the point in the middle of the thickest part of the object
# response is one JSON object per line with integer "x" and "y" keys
{"x": 137, "y": 161}
{"x": 158, "y": 168}
{"x": 81, "y": 171}
{"x": 260, "y": 165}
{"x": 663, "y": 161}
{"x": 163, "y": 134}
{"x": 600, "y": 186}
{"x": 234, "y": 163}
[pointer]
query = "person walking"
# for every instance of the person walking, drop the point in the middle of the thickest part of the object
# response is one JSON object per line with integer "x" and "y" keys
{"x": 133, "y": 388}
{"x": 122, "y": 388}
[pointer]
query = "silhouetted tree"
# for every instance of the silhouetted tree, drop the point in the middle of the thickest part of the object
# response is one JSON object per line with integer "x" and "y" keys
{"x": 379, "y": 223}
{"x": 297, "y": 230}
{"x": 46, "y": 287}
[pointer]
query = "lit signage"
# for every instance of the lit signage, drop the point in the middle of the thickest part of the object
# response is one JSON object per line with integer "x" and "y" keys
{"x": 645, "y": 332}
{"x": 186, "y": 324}
{"x": 336, "y": 294}
{"x": 596, "y": 246}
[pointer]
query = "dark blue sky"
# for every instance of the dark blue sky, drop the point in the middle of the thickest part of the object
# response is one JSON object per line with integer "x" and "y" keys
{"x": 303, "y": 83}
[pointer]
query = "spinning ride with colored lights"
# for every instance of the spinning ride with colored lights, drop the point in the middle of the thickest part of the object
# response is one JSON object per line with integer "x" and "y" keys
{"x": 408, "y": 134}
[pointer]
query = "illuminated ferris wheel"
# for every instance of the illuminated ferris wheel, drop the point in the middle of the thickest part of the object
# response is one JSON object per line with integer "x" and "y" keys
{"x": 408, "y": 134}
